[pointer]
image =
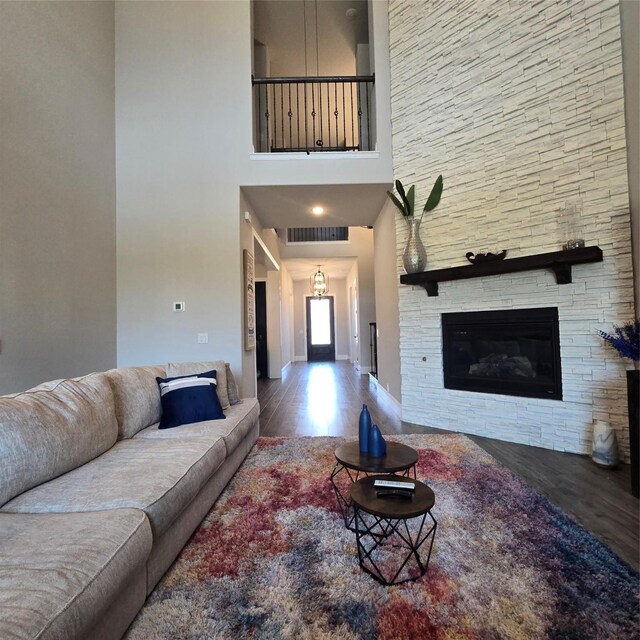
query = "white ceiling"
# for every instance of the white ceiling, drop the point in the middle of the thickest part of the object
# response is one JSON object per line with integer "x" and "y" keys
{"x": 345, "y": 205}
{"x": 304, "y": 268}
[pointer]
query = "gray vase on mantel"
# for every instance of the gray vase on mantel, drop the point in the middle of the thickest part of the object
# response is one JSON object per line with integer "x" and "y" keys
{"x": 414, "y": 258}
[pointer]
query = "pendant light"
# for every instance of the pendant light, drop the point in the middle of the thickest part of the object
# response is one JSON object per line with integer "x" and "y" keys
{"x": 319, "y": 283}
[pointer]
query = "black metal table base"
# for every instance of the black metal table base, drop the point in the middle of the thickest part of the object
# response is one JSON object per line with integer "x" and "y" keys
{"x": 345, "y": 504}
{"x": 375, "y": 534}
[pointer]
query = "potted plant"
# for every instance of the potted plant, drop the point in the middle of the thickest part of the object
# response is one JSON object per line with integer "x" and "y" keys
{"x": 625, "y": 339}
{"x": 414, "y": 258}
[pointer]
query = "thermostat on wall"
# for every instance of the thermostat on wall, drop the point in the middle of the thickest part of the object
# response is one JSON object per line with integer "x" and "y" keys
{"x": 178, "y": 306}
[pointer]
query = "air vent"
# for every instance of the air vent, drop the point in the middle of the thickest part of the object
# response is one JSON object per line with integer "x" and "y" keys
{"x": 318, "y": 234}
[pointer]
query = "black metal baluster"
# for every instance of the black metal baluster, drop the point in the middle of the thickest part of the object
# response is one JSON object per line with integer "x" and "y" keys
{"x": 353, "y": 131}
{"x": 259, "y": 116}
{"x": 320, "y": 110}
{"x": 366, "y": 84}
{"x": 329, "y": 113}
{"x": 344, "y": 115}
{"x": 313, "y": 113}
{"x": 274, "y": 141}
{"x": 306, "y": 119}
{"x": 298, "y": 112}
{"x": 359, "y": 116}
{"x": 266, "y": 115}
{"x": 284, "y": 145}
{"x": 335, "y": 113}
{"x": 290, "y": 113}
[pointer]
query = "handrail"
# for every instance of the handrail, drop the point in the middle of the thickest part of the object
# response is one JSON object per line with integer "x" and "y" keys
{"x": 312, "y": 79}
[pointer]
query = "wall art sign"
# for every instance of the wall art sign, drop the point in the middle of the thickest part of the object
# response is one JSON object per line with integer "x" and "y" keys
{"x": 249, "y": 303}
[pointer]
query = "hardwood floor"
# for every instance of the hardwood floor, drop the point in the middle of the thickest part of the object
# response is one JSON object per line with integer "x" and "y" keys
{"x": 325, "y": 399}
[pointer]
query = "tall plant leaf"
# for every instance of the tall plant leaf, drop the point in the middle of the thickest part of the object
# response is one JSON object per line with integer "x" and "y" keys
{"x": 411, "y": 198}
{"x": 396, "y": 202}
{"x": 403, "y": 195}
{"x": 434, "y": 196}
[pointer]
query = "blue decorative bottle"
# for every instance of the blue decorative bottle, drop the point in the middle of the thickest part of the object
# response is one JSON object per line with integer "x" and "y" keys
{"x": 364, "y": 428}
{"x": 377, "y": 445}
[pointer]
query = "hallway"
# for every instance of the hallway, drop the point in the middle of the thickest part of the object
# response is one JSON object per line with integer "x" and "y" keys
{"x": 325, "y": 399}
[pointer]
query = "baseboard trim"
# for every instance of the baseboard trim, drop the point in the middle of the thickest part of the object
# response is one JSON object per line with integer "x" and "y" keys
{"x": 299, "y": 358}
{"x": 342, "y": 357}
{"x": 394, "y": 404}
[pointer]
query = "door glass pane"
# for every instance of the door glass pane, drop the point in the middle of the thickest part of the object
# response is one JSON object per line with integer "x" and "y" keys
{"x": 320, "y": 321}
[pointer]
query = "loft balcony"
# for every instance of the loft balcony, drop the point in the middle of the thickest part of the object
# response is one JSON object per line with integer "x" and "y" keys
{"x": 314, "y": 114}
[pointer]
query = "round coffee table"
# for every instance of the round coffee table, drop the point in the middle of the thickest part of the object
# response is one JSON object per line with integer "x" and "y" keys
{"x": 390, "y": 531}
{"x": 399, "y": 459}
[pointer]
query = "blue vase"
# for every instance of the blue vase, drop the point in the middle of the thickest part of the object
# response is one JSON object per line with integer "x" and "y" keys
{"x": 363, "y": 429}
{"x": 377, "y": 445}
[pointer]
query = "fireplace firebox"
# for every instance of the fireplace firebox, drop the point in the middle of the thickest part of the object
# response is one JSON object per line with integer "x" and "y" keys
{"x": 514, "y": 352}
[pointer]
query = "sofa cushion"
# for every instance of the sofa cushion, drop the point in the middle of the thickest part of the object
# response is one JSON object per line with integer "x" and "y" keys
{"x": 136, "y": 397}
{"x": 60, "y": 572}
{"x": 232, "y": 387}
{"x": 240, "y": 418}
{"x": 53, "y": 428}
{"x": 188, "y": 399}
{"x": 161, "y": 477}
{"x": 191, "y": 368}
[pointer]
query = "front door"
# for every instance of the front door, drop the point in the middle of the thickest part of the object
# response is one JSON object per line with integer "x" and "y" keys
{"x": 320, "y": 329}
{"x": 262, "y": 360}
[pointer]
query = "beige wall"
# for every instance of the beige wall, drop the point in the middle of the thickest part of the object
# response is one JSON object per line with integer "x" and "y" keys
{"x": 300, "y": 290}
{"x": 286, "y": 317}
{"x": 182, "y": 108}
{"x": 57, "y": 211}
{"x": 630, "y": 31}
{"x": 280, "y": 24}
{"x": 386, "y": 288}
{"x": 247, "y": 372}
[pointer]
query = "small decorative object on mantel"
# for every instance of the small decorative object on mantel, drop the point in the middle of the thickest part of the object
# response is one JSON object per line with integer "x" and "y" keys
{"x": 604, "y": 448}
{"x": 377, "y": 444}
{"x": 626, "y": 341}
{"x": 485, "y": 257}
{"x": 414, "y": 258}
{"x": 570, "y": 223}
{"x": 364, "y": 428}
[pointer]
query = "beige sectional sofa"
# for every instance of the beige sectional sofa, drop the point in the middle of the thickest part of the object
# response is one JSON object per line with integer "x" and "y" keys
{"x": 96, "y": 501}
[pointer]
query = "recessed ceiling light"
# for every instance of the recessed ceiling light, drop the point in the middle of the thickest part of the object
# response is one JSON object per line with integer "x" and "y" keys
{"x": 317, "y": 211}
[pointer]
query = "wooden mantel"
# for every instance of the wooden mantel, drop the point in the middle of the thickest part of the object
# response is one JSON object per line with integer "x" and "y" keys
{"x": 560, "y": 262}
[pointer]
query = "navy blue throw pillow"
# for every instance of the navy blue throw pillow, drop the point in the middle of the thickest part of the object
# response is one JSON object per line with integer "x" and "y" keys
{"x": 188, "y": 399}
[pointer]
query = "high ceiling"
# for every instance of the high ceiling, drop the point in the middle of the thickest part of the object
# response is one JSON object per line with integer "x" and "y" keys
{"x": 345, "y": 205}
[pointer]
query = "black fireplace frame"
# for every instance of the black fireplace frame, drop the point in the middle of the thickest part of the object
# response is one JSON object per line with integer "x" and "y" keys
{"x": 547, "y": 316}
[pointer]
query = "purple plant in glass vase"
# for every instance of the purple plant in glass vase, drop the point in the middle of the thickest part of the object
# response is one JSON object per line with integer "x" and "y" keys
{"x": 625, "y": 339}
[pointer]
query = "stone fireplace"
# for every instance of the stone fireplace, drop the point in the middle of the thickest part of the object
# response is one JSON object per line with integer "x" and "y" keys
{"x": 512, "y": 352}
{"x": 521, "y": 108}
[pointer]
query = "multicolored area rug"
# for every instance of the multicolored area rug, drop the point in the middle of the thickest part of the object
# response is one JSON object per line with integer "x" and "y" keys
{"x": 273, "y": 560}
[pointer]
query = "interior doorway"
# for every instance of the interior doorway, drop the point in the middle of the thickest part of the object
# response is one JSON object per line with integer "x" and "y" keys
{"x": 262, "y": 357}
{"x": 321, "y": 342}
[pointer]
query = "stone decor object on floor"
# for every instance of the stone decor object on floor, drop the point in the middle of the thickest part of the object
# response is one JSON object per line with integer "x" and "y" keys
{"x": 364, "y": 428}
{"x": 414, "y": 258}
{"x": 604, "y": 450}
